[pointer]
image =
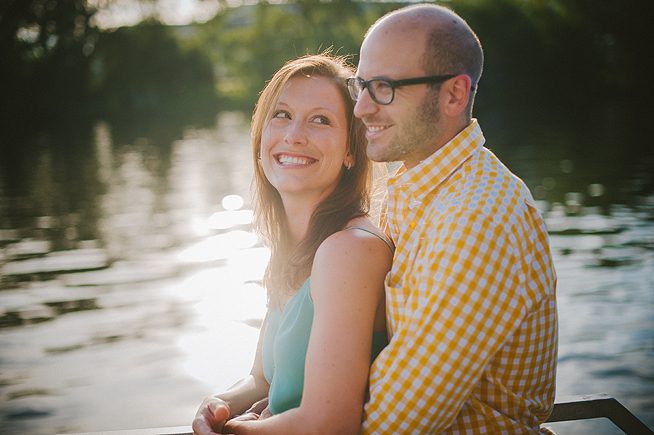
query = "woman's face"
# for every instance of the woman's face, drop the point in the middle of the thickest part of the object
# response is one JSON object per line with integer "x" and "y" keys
{"x": 304, "y": 143}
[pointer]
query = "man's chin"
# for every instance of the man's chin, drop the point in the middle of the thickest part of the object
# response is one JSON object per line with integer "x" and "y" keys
{"x": 376, "y": 151}
{"x": 380, "y": 152}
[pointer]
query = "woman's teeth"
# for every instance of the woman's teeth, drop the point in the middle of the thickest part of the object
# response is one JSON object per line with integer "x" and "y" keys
{"x": 294, "y": 160}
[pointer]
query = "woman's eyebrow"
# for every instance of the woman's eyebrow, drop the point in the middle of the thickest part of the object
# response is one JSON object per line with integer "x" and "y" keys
{"x": 312, "y": 109}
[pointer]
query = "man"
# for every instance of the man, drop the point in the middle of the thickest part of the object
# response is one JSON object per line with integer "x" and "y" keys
{"x": 471, "y": 303}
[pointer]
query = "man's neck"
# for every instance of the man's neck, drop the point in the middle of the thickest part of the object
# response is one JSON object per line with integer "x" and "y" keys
{"x": 449, "y": 132}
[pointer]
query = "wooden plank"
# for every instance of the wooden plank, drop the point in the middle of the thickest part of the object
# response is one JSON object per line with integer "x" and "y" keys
{"x": 597, "y": 406}
{"x": 176, "y": 430}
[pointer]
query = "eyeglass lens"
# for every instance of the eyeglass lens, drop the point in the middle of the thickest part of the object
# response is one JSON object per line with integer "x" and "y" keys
{"x": 380, "y": 90}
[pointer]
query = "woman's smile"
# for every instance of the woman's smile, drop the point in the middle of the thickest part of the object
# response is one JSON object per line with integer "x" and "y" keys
{"x": 294, "y": 160}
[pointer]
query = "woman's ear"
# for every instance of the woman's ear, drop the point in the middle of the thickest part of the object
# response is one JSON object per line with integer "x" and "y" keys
{"x": 455, "y": 95}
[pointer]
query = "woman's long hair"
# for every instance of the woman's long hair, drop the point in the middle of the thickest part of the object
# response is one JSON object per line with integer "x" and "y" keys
{"x": 290, "y": 265}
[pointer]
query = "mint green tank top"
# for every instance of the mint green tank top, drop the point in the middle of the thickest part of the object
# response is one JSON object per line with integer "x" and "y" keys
{"x": 285, "y": 344}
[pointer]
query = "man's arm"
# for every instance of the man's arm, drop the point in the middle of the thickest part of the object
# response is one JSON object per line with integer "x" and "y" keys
{"x": 461, "y": 307}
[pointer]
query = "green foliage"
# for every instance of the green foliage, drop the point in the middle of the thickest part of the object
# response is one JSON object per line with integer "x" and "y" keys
{"x": 556, "y": 56}
{"x": 248, "y": 44}
{"x": 547, "y": 54}
{"x": 56, "y": 65}
{"x": 573, "y": 52}
{"x": 144, "y": 69}
{"x": 46, "y": 47}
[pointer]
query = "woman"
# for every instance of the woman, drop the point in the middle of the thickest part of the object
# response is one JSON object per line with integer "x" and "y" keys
{"x": 325, "y": 320}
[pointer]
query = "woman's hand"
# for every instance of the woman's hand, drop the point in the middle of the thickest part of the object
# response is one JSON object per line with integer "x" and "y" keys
{"x": 258, "y": 411}
{"x": 211, "y": 417}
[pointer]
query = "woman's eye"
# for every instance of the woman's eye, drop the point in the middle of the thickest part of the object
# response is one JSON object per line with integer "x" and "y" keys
{"x": 321, "y": 119}
{"x": 281, "y": 114}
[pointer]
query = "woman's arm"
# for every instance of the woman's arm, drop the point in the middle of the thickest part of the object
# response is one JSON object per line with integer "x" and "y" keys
{"x": 347, "y": 286}
{"x": 216, "y": 410}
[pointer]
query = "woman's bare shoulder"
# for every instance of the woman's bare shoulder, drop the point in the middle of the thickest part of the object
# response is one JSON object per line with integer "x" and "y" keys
{"x": 358, "y": 243}
{"x": 351, "y": 259}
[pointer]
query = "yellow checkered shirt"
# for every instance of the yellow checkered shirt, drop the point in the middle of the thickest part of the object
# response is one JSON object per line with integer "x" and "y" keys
{"x": 470, "y": 300}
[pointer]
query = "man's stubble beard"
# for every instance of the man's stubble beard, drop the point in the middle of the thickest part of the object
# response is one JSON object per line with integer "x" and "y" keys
{"x": 415, "y": 136}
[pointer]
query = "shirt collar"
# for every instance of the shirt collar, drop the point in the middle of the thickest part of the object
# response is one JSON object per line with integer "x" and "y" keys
{"x": 437, "y": 167}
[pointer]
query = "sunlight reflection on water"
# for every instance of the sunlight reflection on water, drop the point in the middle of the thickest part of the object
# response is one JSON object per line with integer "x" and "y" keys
{"x": 219, "y": 247}
{"x": 220, "y": 348}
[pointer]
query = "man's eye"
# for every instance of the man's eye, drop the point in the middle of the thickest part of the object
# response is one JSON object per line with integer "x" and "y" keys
{"x": 281, "y": 114}
{"x": 380, "y": 85}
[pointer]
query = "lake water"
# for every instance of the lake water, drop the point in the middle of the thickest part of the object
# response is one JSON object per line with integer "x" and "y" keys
{"x": 130, "y": 277}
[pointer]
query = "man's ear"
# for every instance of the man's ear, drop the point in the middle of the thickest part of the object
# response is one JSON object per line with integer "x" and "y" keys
{"x": 455, "y": 95}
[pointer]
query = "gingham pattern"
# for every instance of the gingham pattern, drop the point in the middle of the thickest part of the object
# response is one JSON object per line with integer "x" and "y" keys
{"x": 470, "y": 301}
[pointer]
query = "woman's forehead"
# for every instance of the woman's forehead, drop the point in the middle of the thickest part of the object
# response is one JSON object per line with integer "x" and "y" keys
{"x": 316, "y": 92}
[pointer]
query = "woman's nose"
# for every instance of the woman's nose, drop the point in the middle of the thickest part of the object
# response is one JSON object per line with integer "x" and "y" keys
{"x": 295, "y": 134}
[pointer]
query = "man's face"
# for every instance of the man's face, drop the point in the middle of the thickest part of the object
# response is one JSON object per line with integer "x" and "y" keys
{"x": 406, "y": 129}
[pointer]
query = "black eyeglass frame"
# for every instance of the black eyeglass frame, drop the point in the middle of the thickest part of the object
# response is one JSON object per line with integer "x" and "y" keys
{"x": 366, "y": 84}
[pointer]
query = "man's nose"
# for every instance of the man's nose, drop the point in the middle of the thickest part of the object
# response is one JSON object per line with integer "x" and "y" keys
{"x": 364, "y": 105}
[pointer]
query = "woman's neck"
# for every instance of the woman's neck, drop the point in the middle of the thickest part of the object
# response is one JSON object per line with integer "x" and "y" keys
{"x": 298, "y": 214}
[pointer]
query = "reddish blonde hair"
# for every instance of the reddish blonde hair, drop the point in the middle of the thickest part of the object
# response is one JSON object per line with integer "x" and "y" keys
{"x": 290, "y": 265}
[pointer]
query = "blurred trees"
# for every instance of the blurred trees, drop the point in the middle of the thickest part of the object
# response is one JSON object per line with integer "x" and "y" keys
{"x": 568, "y": 57}
{"x": 45, "y": 48}
{"x": 572, "y": 54}
{"x": 54, "y": 65}
{"x": 144, "y": 68}
{"x": 248, "y": 44}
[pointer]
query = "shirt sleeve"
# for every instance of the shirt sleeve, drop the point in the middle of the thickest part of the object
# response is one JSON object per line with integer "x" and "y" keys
{"x": 458, "y": 303}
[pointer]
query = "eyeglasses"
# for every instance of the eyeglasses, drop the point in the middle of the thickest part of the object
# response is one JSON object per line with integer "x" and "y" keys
{"x": 382, "y": 90}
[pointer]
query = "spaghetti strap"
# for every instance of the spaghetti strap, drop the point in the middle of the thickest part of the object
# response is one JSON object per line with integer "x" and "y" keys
{"x": 383, "y": 239}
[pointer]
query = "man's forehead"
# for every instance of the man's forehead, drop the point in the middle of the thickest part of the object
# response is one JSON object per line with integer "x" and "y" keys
{"x": 391, "y": 54}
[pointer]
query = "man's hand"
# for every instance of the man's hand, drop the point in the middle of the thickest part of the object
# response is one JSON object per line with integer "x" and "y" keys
{"x": 211, "y": 417}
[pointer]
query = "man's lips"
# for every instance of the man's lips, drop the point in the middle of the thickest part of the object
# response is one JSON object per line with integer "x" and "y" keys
{"x": 375, "y": 129}
{"x": 286, "y": 159}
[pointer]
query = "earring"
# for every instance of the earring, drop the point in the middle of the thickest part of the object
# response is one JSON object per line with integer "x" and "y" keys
{"x": 348, "y": 165}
